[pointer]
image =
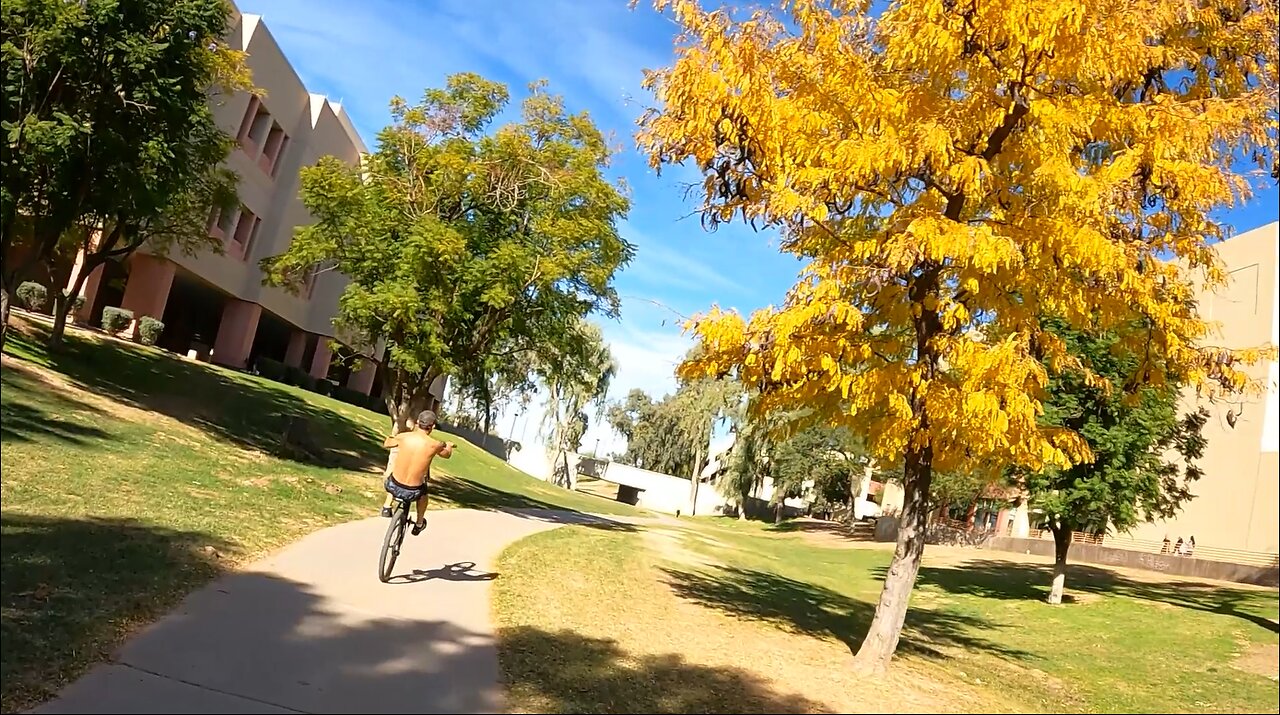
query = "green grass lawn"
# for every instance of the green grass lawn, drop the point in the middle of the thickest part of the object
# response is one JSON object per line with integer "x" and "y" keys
{"x": 715, "y": 599}
{"x": 131, "y": 476}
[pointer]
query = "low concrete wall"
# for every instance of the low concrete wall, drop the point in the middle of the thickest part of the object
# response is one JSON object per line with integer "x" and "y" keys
{"x": 492, "y": 444}
{"x": 1163, "y": 563}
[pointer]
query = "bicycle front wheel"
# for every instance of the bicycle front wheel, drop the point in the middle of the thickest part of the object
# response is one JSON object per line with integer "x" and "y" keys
{"x": 391, "y": 543}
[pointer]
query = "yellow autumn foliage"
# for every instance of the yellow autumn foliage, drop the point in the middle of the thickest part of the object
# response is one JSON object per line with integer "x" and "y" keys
{"x": 955, "y": 169}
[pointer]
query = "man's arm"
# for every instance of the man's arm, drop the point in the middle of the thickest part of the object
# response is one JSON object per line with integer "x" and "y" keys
{"x": 446, "y": 449}
{"x": 390, "y": 442}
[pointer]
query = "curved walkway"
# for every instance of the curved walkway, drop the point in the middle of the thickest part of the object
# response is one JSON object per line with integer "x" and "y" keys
{"x": 311, "y": 629}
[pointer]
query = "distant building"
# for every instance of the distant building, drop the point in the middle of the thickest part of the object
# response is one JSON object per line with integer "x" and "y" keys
{"x": 1237, "y": 503}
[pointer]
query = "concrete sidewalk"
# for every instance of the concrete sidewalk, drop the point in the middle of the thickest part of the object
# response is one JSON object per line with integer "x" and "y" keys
{"x": 311, "y": 629}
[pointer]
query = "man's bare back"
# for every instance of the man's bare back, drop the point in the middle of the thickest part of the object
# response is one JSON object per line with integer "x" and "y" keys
{"x": 411, "y": 455}
{"x": 414, "y": 452}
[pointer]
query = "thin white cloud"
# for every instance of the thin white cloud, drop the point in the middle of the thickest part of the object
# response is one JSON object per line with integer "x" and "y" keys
{"x": 658, "y": 264}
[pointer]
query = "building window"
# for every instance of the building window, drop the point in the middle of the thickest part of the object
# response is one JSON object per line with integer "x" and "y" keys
{"x": 273, "y": 149}
{"x": 222, "y": 222}
{"x": 255, "y": 127}
{"x": 246, "y": 229}
{"x": 247, "y": 122}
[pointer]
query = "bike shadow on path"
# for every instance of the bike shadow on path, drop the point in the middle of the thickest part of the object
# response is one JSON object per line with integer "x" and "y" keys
{"x": 460, "y": 571}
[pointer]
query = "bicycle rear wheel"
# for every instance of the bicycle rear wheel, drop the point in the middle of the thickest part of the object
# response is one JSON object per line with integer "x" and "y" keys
{"x": 391, "y": 542}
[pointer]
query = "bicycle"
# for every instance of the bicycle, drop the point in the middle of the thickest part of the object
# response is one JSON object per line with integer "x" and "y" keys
{"x": 394, "y": 538}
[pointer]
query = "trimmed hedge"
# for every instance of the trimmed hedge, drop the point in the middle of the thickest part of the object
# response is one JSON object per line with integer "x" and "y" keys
{"x": 271, "y": 369}
{"x": 149, "y": 330}
{"x": 294, "y": 375}
{"x": 115, "y": 320}
{"x": 33, "y": 296}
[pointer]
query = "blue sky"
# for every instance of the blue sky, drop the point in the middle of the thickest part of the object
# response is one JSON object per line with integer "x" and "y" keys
{"x": 593, "y": 53}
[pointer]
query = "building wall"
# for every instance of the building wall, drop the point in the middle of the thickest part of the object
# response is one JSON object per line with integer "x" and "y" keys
{"x": 1236, "y": 501}
{"x": 313, "y": 127}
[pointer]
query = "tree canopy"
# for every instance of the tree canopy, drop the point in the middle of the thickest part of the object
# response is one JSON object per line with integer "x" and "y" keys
{"x": 464, "y": 245}
{"x": 952, "y": 171}
{"x": 672, "y": 435}
{"x": 1144, "y": 450}
{"x": 109, "y": 127}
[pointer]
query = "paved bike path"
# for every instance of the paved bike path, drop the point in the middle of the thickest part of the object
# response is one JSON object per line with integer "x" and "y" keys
{"x": 311, "y": 629}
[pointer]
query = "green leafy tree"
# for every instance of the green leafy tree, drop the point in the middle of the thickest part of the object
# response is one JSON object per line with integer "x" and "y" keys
{"x": 464, "y": 246}
{"x": 626, "y": 417}
{"x": 673, "y": 435}
{"x": 108, "y": 126}
{"x": 826, "y": 464}
{"x": 576, "y": 379}
{"x": 166, "y": 213}
{"x": 1144, "y": 450}
{"x": 655, "y": 438}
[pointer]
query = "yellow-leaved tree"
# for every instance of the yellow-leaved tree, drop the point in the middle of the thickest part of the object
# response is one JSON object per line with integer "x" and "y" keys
{"x": 953, "y": 170}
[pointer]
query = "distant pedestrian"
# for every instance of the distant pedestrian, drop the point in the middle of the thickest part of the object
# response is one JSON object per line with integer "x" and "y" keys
{"x": 1177, "y": 548}
{"x": 1164, "y": 548}
{"x": 1191, "y": 547}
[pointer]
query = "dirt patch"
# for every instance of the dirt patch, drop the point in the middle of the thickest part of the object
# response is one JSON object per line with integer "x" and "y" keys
{"x": 669, "y": 545}
{"x": 1260, "y": 659}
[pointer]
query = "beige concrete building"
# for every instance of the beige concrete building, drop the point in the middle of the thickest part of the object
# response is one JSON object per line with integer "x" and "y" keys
{"x": 1235, "y": 514}
{"x": 216, "y": 306}
{"x": 1237, "y": 503}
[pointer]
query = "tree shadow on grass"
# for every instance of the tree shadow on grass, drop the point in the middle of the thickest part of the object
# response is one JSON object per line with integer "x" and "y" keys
{"x": 472, "y": 495}
{"x": 833, "y": 528}
{"x": 567, "y": 672}
{"x": 71, "y": 588}
{"x": 230, "y": 406}
{"x": 814, "y": 610}
{"x": 253, "y": 642}
{"x": 59, "y": 418}
{"x": 1005, "y": 580}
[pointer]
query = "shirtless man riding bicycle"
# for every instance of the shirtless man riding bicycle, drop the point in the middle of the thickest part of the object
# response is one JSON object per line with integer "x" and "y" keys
{"x": 412, "y": 453}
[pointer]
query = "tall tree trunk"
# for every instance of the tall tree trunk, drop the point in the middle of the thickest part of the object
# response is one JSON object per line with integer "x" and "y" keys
{"x": 917, "y": 477}
{"x": 693, "y": 483}
{"x": 61, "y": 306}
{"x": 4, "y": 315}
{"x": 486, "y": 398}
{"x": 406, "y": 395}
{"x": 63, "y": 301}
{"x": 886, "y": 627}
{"x": 1061, "y": 545}
{"x": 853, "y": 501}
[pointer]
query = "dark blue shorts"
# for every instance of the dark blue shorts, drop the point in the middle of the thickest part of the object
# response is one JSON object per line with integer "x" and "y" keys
{"x": 400, "y": 492}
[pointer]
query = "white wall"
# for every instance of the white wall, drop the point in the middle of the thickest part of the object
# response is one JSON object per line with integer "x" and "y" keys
{"x": 660, "y": 492}
{"x": 663, "y": 492}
